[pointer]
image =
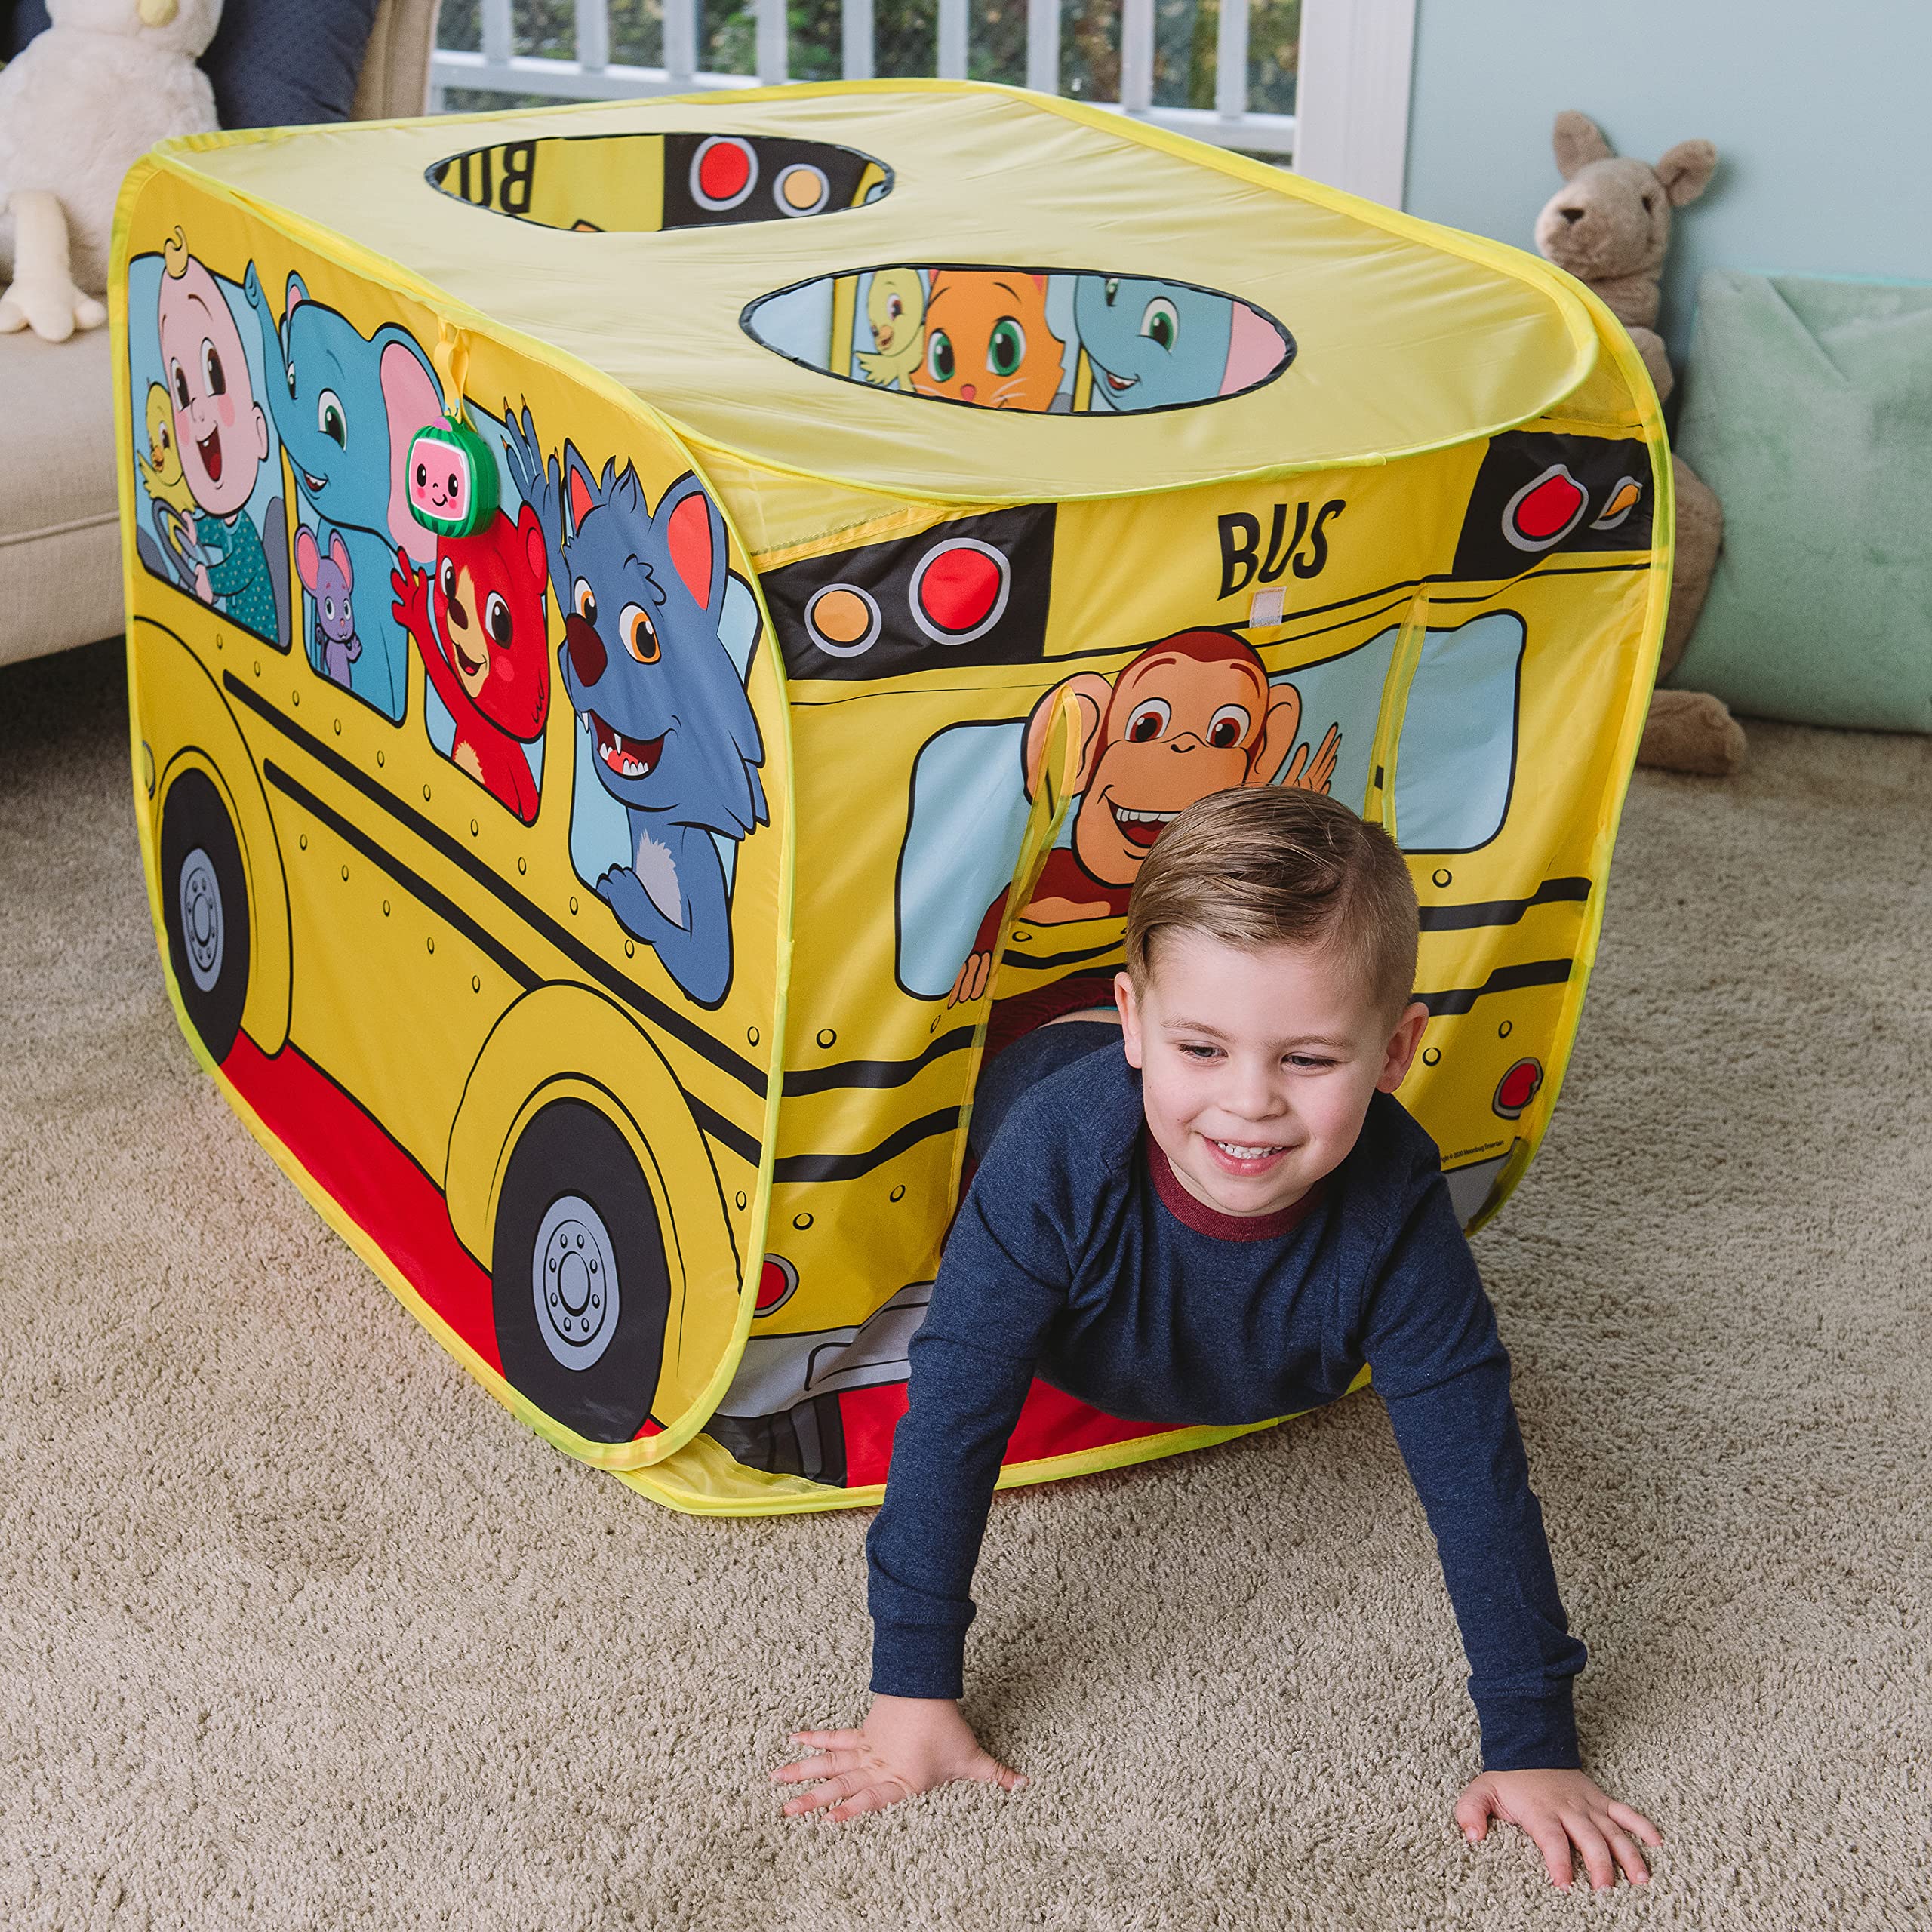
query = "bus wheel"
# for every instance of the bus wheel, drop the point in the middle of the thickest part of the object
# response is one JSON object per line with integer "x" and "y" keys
{"x": 204, "y": 908}
{"x": 577, "y": 1276}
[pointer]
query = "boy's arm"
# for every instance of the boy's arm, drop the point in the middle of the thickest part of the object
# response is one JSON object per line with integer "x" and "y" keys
{"x": 1429, "y": 1336}
{"x": 1002, "y": 1280}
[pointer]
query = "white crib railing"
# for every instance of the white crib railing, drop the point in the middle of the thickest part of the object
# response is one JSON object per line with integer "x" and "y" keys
{"x": 592, "y": 76}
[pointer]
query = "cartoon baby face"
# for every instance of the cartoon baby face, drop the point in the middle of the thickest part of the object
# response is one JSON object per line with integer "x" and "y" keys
{"x": 220, "y": 433}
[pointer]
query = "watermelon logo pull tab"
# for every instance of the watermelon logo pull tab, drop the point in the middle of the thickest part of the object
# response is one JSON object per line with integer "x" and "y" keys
{"x": 452, "y": 474}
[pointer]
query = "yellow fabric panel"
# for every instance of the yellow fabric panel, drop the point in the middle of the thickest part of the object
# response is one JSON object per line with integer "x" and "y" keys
{"x": 1383, "y": 310}
{"x": 1341, "y": 530}
{"x": 451, "y": 968}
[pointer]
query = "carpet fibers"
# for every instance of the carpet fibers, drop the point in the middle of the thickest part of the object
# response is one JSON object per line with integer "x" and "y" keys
{"x": 298, "y": 1628}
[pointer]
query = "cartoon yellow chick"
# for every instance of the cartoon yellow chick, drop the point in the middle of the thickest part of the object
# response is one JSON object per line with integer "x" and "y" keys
{"x": 895, "y": 307}
{"x": 163, "y": 475}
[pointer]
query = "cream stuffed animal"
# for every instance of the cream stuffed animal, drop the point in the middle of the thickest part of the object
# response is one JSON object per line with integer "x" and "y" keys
{"x": 1609, "y": 225}
{"x": 85, "y": 101}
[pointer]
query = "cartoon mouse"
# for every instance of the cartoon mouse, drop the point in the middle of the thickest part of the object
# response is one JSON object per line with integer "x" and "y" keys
{"x": 1190, "y": 715}
{"x": 483, "y": 646}
{"x": 328, "y": 580}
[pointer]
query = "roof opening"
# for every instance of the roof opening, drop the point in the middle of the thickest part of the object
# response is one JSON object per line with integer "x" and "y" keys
{"x": 1050, "y": 341}
{"x": 596, "y": 184}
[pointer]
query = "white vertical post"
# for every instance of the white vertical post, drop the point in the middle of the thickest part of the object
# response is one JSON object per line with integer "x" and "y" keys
{"x": 1136, "y": 55}
{"x": 953, "y": 40}
{"x": 1231, "y": 61}
{"x": 1043, "y": 45}
{"x": 593, "y": 36}
{"x": 856, "y": 55}
{"x": 496, "y": 30}
{"x": 1352, "y": 96}
{"x": 773, "y": 53}
{"x": 680, "y": 42}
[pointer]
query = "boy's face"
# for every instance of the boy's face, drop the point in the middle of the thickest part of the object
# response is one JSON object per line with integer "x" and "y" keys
{"x": 1257, "y": 1067}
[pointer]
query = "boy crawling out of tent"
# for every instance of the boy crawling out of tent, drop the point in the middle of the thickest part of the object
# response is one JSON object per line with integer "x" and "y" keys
{"x": 1206, "y": 1205}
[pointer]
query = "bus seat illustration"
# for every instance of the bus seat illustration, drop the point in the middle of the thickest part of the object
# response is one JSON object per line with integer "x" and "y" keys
{"x": 646, "y": 667}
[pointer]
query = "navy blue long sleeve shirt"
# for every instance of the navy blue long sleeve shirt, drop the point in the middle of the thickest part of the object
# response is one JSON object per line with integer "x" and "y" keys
{"x": 1077, "y": 1256}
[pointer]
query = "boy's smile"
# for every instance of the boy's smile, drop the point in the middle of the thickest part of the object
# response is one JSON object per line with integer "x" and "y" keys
{"x": 1257, "y": 1066}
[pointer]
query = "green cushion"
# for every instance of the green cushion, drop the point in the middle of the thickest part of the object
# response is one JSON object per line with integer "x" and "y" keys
{"x": 1808, "y": 409}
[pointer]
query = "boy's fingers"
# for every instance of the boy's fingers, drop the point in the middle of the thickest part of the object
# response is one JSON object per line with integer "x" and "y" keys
{"x": 828, "y": 1740}
{"x": 1472, "y": 1814}
{"x": 1597, "y": 1860}
{"x": 815, "y": 1767}
{"x": 831, "y": 1793}
{"x": 874, "y": 1798}
{"x": 1630, "y": 1858}
{"x": 1635, "y": 1822}
{"x": 1553, "y": 1842}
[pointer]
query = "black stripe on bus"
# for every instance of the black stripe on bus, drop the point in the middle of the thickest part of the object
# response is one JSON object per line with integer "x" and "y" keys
{"x": 744, "y": 1144}
{"x": 799, "y": 1167}
{"x": 1504, "y": 980}
{"x": 1502, "y": 912}
{"x": 586, "y": 961}
{"x": 876, "y": 1072}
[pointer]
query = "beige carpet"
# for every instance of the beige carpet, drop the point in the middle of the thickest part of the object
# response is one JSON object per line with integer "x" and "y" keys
{"x": 298, "y": 1628}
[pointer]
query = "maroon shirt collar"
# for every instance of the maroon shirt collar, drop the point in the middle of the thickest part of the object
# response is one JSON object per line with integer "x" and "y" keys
{"x": 1206, "y": 1220}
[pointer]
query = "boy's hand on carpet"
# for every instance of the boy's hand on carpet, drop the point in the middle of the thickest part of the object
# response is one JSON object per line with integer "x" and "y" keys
{"x": 907, "y": 1745}
{"x": 1560, "y": 1809}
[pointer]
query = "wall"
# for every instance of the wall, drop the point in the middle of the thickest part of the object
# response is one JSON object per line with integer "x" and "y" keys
{"x": 1818, "y": 114}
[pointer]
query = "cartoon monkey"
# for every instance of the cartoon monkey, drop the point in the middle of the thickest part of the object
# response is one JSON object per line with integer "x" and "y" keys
{"x": 1192, "y": 714}
{"x": 484, "y": 648}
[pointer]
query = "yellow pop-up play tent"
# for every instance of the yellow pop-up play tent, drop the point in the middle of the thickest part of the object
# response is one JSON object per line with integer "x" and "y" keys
{"x": 653, "y": 629}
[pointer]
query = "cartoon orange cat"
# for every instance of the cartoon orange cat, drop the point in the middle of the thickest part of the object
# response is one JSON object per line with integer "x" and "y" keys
{"x": 987, "y": 341}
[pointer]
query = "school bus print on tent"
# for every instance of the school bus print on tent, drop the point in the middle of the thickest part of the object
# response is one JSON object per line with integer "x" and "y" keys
{"x": 623, "y": 717}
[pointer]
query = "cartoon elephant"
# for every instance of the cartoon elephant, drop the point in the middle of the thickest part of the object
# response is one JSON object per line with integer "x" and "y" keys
{"x": 345, "y": 408}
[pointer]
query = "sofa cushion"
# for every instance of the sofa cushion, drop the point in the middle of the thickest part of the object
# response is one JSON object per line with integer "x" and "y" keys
{"x": 272, "y": 64}
{"x": 1806, "y": 407}
{"x": 60, "y": 531}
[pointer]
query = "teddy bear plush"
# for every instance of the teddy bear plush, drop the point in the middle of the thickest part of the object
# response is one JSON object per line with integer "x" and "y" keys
{"x": 83, "y": 101}
{"x": 1609, "y": 226}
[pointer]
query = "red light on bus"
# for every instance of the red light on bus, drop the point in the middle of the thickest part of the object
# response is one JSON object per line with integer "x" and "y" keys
{"x": 959, "y": 591}
{"x": 1545, "y": 511}
{"x": 723, "y": 171}
{"x": 777, "y": 1282}
{"x": 1518, "y": 1088}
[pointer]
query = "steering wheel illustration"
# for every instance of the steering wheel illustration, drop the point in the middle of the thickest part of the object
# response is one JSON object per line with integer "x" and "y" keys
{"x": 178, "y": 541}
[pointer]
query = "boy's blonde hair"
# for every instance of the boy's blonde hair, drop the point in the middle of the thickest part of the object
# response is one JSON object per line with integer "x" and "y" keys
{"x": 1269, "y": 865}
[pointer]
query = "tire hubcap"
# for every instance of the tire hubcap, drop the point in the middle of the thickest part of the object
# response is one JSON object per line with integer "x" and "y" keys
{"x": 574, "y": 1281}
{"x": 200, "y": 918}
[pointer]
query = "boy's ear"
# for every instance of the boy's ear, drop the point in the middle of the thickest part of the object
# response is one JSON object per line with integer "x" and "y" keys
{"x": 1402, "y": 1045}
{"x": 1130, "y": 1018}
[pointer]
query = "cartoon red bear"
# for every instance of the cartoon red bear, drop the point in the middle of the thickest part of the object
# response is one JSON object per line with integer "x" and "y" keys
{"x": 484, "y": 648}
